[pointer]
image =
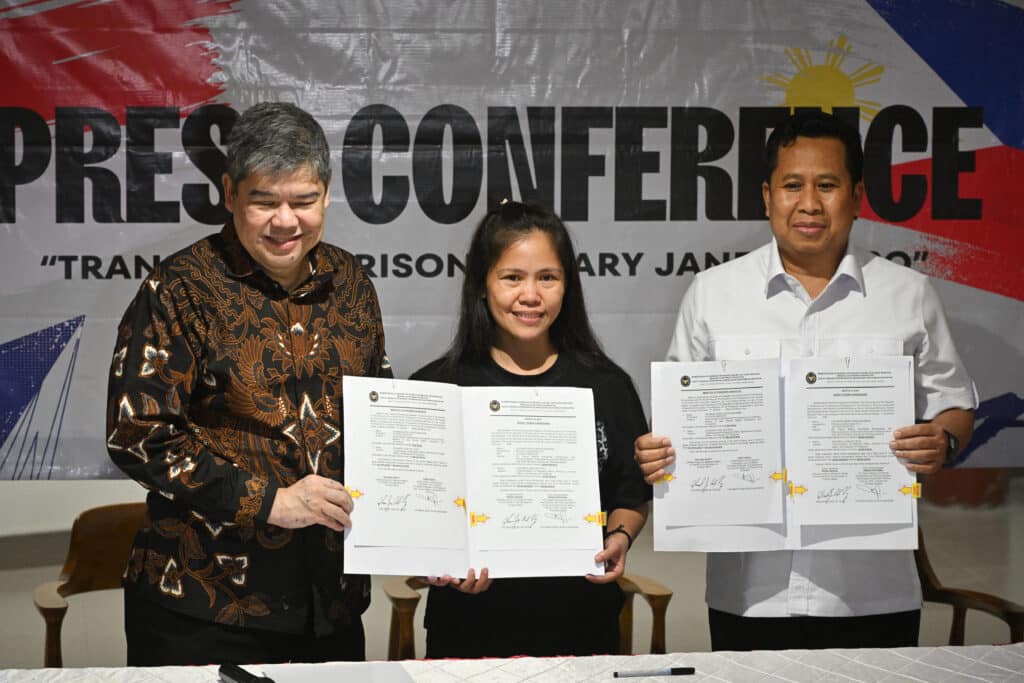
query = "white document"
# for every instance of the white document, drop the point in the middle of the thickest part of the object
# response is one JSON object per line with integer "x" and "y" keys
{"x": 842, "y": 413}
{"x": 405, "y": 472}
{"x": 447, "y": 478}
{"x": 724, "y": 416}
{"x": 844, "y": 489}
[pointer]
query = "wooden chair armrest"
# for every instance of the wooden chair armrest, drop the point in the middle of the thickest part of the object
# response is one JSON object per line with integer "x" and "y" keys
{"x": 47, "y": 598}
{"x": 655, "y": 594}
{"x": 644, "y": 585}
{"x": 52, "y": 605}
{"x": 967, "y": 599}
{"x": 403, "y": 594}
{"x": 962, "y": 600}
{"x": 401, "y": 590}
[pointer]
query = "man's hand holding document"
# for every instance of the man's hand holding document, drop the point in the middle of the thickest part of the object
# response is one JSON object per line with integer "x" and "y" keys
{"x": 763, "y": 463}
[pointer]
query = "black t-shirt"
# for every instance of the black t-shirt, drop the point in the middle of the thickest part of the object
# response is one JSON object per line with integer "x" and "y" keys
{"x": 619, "y": 419}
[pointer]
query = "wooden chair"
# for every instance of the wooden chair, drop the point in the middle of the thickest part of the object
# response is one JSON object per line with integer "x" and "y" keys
{"x": 962, "y": 600}
{"x": 403, "y": 592}
{"x": 101, "y": 539}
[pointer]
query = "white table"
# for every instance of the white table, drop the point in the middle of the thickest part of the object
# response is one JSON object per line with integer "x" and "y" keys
{"x": 931, "y": 664}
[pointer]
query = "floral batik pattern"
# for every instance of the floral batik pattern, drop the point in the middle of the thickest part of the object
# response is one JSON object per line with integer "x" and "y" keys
{"x": 224, "y": 388}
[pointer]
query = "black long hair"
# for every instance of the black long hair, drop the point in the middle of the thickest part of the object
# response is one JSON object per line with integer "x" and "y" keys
{"x": 500, "y": 227}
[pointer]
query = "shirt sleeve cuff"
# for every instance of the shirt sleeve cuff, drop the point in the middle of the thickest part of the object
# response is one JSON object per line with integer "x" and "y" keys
{"x": 256, "y": 502}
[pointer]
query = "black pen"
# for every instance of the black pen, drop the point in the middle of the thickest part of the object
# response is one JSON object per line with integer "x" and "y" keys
{"x": 672, "y": 671}
{"x": 232, "y": 673}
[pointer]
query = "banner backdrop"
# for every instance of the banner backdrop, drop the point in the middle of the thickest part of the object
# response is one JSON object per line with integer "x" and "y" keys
{"x": 641, "y": 123}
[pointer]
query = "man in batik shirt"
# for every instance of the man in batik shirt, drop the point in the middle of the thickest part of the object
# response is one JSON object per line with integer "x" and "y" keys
{"x": 225, "y": 402}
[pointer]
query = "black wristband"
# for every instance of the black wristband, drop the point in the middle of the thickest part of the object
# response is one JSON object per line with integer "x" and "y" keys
{"x": 952, "y": 447}
{"x": 621, "y": 529}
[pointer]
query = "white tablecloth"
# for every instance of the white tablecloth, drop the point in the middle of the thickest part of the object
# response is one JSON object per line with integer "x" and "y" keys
{"x": 931, "y": 664}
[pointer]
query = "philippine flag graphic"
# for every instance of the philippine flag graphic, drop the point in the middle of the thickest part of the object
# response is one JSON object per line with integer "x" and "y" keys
{"x": 109, "y": 55}
{"x": 985, "y": 70}
{"x": 35, "y": 384}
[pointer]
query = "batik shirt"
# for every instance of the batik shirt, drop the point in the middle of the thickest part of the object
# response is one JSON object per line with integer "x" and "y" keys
{"x": 223, "y": 389}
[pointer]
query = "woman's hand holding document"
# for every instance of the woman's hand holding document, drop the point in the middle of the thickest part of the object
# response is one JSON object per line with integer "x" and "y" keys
{"x": 448, "y": 478}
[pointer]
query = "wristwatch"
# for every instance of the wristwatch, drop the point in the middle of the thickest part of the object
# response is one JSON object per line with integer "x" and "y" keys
{"x": 952, "y": 447}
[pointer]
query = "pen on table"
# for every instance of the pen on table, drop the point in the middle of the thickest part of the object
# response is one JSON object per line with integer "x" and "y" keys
{"x": 672, "y": 671}
{"x": 232, "y": 673}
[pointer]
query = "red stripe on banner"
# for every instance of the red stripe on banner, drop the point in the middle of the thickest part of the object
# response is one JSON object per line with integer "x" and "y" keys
{"x": 110, "y": 55}
{"x": 981, "y": 253}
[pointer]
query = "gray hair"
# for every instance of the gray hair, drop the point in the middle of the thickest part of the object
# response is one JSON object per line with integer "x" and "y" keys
{"x": 277, "y": 137}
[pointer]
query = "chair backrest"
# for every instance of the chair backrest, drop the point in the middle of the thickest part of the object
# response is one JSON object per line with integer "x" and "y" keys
{"x": 403, "y": 592}
{"x": 101, "y": 539}
{"x": 962, "y": 600}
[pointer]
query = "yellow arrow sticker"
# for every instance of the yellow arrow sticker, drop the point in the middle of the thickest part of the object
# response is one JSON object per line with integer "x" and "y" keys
{"x": 667, "y": 478}
{"x": 913, "y": 491}
{"x": 355, "y": 493}
{"x": 475, "y": 518}
{"x": 460, "y": 503}
{"x": 779, "y": 476}
{"x": 597, "y": 518}
{"x": 795, "y": 490}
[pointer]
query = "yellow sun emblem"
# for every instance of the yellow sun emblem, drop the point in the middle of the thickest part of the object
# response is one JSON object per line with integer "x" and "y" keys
{"x": 827, "y": 85}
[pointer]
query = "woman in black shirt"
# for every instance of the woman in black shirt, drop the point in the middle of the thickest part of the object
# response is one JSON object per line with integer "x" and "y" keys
{"x": 523, "y": 322}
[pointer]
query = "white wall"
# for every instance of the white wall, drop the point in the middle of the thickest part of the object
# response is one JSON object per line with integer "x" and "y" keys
{"x": 37, "y": 507}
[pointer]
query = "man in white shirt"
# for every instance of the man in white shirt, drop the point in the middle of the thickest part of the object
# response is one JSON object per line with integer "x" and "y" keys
{"x": 810, "y": 293}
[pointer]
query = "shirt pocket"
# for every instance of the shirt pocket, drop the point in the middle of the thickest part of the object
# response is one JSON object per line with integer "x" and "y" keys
{"x": 744, "y": 348}
{"x": 861, "y": 346}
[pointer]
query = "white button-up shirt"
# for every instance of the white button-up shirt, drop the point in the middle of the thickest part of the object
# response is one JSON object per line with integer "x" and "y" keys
{"x": 751, "y": 308}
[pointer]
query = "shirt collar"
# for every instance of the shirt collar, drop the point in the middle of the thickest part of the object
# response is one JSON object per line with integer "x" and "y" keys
{"x": 777, "y": 280}
{"x": 240, "y": 264}
{"x": 236, "y": 258}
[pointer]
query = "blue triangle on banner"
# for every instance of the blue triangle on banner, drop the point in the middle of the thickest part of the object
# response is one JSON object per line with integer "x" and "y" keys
{"x": 24, "y": 364}
{"x": 985, "y": 69}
